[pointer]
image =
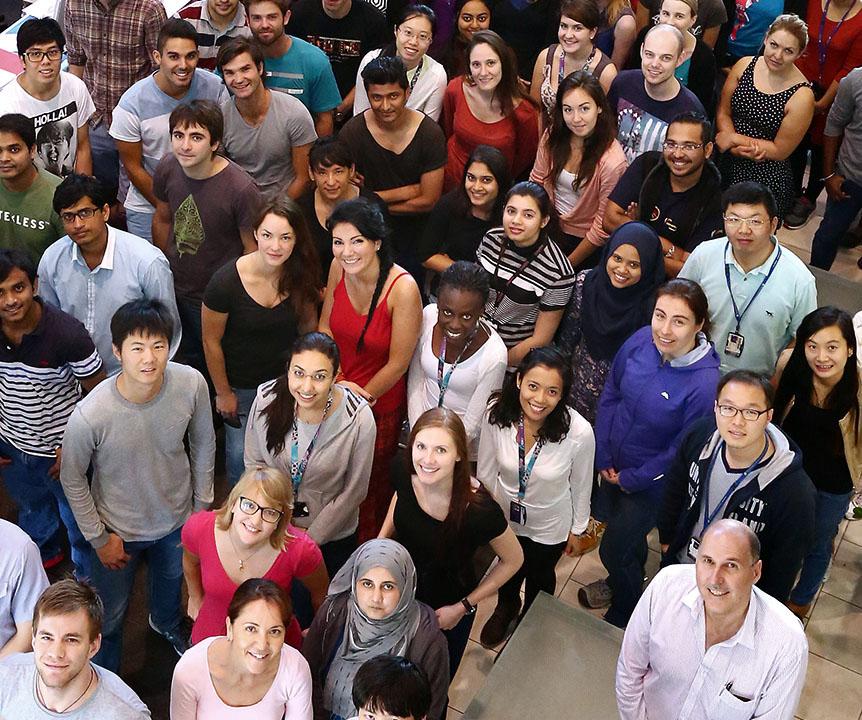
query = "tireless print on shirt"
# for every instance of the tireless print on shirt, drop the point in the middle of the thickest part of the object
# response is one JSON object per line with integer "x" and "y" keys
{"x": 188, "y": 227}
{"x": 638, "y": 130}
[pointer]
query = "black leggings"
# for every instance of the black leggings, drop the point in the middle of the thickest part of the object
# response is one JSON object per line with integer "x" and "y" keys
{"x": 538, "y": 571}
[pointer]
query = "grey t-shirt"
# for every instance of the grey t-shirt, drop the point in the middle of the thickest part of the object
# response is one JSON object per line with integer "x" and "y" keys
{"x": 264, "y": 152}
{"x": 22, "y": 579}
{"x": 845, "y": 116}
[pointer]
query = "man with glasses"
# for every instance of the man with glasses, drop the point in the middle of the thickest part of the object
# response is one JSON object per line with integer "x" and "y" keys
{"x": 737, "y": 465}
{"x": 132, "y": 433}
{"x": 758, "y": 292}
{"x": 677, "y": 191}
{"x": 57, "y": 103}
{"x": 95, "y": 268}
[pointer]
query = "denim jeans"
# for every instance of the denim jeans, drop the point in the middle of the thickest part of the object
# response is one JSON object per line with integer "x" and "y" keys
{"x": 191, "y": 350}
{"x": 42, "y": 505}
{"x": 106, "y": 158}
{"x": 828, "y": 514}
{"x": 234, "y": 438}
{"x": 836, "y": 221}
{"x": 140, "y": 224}
{"x": 164, "y": 558}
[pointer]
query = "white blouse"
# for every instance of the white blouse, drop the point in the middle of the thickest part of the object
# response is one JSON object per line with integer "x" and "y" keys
{"x": 426, "y": 96}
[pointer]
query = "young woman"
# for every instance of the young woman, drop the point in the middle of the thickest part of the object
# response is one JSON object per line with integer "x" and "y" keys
{"x": 470, "y": 16}
{"x": 487, "y": 106}
{"x": 372, "y": 610}
{"x": 247, "y": 537}
{"x": 663, "y": 378}
{"x": 579, "y": 163}
{"x": 442, "y": 521}
{"x": 413, "y": 35}
{"x": 460, "y": 359}
{"x": 536, "y": 458}
{"x": 462, "y": 216}
{"x": 253, "y": 308}
{"x": 818, "y": 404}
{"x": 765, "y": 110}
{"x": 617, "y": 31}
{"x": 579, "y": 23}
{"x": 373, "y": 311}
{"x": 249, "y": 673}
{"x": 531, "y": 278}
{"x": 321, "y": 436}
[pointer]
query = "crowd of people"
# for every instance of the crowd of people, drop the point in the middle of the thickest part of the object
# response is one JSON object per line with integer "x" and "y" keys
{"x": 457, "y": 290}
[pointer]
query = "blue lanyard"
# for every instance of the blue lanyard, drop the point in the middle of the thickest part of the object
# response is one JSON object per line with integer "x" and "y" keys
{"x": 297, "y": 467}
{"x": 524, "y": 471}
{"x": 443, "y": 381}
{"x": 736, "y": 313}
{"x": 823, "y": 48}
{"x": 709, "y": 517}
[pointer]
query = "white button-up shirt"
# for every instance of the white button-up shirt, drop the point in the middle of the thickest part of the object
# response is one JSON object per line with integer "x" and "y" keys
{"x": 665, "y": 671}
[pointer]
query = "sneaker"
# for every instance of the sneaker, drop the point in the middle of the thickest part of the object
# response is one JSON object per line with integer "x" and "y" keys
{"x": 179, "y": 638}
{"x": 500, "y": 625}
{"x": 589, "y": 539}
{"x": 596, "y": 595}
{"x": 854, "y": 510}
{"x": 799, "y": 214}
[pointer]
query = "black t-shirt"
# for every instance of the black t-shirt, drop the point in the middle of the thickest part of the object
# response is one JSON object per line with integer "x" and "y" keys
{"x": 452, "y": 233}
{"x": 818, "y": 435}
{"x": 256, "y": 338}
{"x": 527, "y": 27}
{"x": 346, "y": 40}
{"x": 444, "y": 575}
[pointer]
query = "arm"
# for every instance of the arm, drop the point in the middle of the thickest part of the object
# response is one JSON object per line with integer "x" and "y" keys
{"x": 581, "y": 485}
{"x": 490, "y": 380}
{"x": 447, "y": 118}
{"x": 430, "y": 189}
{"x": 83, "y": 157}
{"x": 317, "y": 583}
{"x": 726, "y": 136}
{"x": 710, "y": 35}
{"x": 77, "y": 71}
{"x": 400, "y": 194}
{"x": 675, "y": 498}
{"x": 416, "y": 378}
{"x": 299, "y": 157}
{"x": 608, "y": 177}
{"x": 536, "y": 82}
{"x": 213, "y": 326}
{"x": 610, "y": 398}
{"x": 162, "y": 222}
{"x": 74, "y": 53}
{"x": 797, "y": 118}
{"x": 615, "y": 215}
{"x": 184, "y": 694}
{"x": 786, "y": 549}
{"x": 543, "y": 334}
{"x": 192, "y": 574}
{"x": 387, "y": 530}
{"x": 633, "y": 663}
{"x": 249, "y": 244}
{"x": 329, "y": 298}
{"x": 88, "y": 383}
{"x": 434, "y": 103}
{"x": 158, "y": 284}
{"x": 201, "y": 440}
{"x": 642, "y": 16}
{"x": 323, "y": 125}
{"x": 624, "y": 36}
{"x": 830, "y": 155}
{"x": 131, "y": 156}
{"x": 526, "y": 137}
{"x": 20, "y": 642}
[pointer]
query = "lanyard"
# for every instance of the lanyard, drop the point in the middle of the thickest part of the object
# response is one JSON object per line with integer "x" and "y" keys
{"x": 443, "y": 381}
{"x": 823, "y": 48}
{"x": 416, "y": 74}
{"x": 709, "y": 517}
{"x": 297, "y": 467}
{"x": 502, "y": 293}
{"x": 524, "y": 472}
{"x": 736, "y": 313}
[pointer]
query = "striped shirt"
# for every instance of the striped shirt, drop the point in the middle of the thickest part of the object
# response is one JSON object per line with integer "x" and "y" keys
{"x": 545, "y": 283}
{"x": 39, "y": 381}
{"x": 211, "y": 38}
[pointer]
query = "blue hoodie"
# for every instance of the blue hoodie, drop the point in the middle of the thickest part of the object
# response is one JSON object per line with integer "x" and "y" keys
{"x": 646, "y": 406}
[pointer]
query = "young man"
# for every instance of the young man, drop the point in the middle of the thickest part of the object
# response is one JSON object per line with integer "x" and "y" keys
{"x": 57, "y": 103}
{"x": 739, "y": 466}
{"x": 677, "y": 191}
{"x": 758, "y": 292}
{"x": 705, "y": 642}
{"x": 267, "y": 134}
{"x": 390, "y": 687}
{"x": 46, "y": 358}
{"x": 140, "y": 124}
{"x": 27, "y": 221}
{"x": 292, "y": 65}
{"x": 96, "y": 268}
{"x": 401, "y": 153}
{"x": 646, "y": 100}
{"x": 206, "y": 206}
{"x": 59, "y": 678}
{"x": 215, "y": 22}
{"x": 129, "y": 436}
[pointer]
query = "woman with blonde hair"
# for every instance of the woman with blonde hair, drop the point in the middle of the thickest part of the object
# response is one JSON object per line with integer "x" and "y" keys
{"x": 617, "y": 31}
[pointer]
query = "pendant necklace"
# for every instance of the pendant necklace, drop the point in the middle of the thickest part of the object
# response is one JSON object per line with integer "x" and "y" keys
{"x": 242, "y": 561}
{"x": 71, "y": 704}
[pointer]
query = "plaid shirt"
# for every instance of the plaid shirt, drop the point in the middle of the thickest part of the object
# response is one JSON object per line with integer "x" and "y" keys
{"x": 115, "y": 44}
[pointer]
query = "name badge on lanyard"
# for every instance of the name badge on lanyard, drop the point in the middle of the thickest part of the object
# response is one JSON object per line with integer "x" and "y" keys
{"x": 517, "y": 509}
{"x": 735, "y": 341}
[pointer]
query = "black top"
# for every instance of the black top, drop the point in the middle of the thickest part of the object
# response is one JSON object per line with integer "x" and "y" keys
{"x": 451, "y": 232}
{"x": 527, "y": 27}
{"x": 445, "y": 575}
{"x": 818, "y": 435}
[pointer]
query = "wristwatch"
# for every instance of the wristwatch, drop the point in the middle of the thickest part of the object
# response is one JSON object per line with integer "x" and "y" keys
{"x": 470, "y": 609}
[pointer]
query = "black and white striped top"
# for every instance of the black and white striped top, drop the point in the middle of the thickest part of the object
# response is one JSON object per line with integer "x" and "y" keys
{"x": 545, "y": 283}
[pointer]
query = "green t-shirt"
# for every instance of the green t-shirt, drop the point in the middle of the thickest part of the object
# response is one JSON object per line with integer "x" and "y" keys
{"x": 27, "y": 219}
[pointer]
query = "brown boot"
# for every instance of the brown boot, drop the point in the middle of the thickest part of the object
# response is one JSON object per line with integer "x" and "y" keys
{"x": 589, "y": 539}
{"x": 501, "y": 624}
{"x": 801, "y": 611}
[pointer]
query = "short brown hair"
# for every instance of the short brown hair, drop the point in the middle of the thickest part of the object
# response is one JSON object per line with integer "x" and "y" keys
{"x": 203, "y": 113}
{"x": 68, "y": 596}
{"x": 235, "y": 47}
{"x": 792, "y": 24}
{"x": 255, "y": 589}
{"x": 275, "y": 486}
{"x": 283, "y": 5}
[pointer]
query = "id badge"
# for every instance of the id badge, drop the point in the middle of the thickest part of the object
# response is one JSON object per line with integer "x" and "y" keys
{"x": 300, "y": 509}
{"x": 517, "y": 513}
{"x": 693, "y": 547}
{"x": 735, "y": 343}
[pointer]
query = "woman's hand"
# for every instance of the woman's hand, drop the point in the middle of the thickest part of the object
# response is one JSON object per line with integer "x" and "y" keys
{"x": 359, "y": 390}
{"x": 610, "y": 475}
{"x": 449, "y": 616}
{"x": 725, "y": 140}
{"x": 227, "y": 404}
{"x": 194, "y": 606}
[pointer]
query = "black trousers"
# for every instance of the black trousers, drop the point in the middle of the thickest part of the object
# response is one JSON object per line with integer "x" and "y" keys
{"x": 537, "y": 570}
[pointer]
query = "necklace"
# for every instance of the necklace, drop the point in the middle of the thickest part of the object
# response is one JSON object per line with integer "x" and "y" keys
{"x": 71, "y": 704}
{"x": 242, "y": 561}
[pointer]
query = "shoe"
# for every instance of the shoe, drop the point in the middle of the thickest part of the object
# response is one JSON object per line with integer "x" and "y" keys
{"x": 854, "y": 510}
{"x": 589, "y": 539}
{"x": 179, "y": 638}
{"x": 54, "y": 560}
{"x": 799, "y": 214}
{"x": 596, "y": 595}
{"x": 801, "y": 611}
{"x": 500, "y": 625}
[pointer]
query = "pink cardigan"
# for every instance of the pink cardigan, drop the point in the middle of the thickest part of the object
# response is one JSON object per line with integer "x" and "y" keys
{"x": 585, "y": 220}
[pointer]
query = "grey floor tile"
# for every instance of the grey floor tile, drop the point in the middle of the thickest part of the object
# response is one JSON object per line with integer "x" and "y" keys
{"x": 834, "y": 631}
{"x": 831, "y": 692}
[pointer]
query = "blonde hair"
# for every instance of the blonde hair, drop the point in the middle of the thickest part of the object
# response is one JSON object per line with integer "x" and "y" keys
{"x": 792, "y": 24}
{"x": 275, "y": 487}
{"x": 615, "y": 9}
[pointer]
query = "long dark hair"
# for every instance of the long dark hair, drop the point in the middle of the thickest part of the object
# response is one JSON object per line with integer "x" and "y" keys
{"x": 496, "y": 162}
{"x": 559, "y": 138}
{"x": 797, "y": 380}
{"x": 280, "y": 412}
{"x": 366, "y": 217}
{"x": 509, "y": 89}
{"x": 410, "y": 12}
{"x": 505, "y": 405}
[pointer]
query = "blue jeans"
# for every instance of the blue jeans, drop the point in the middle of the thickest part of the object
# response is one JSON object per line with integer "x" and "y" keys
{"x": 191, "y": 350}
{"x": 140, "y": 224}
{"x": 828, "y": 514}
{"x": 234, "y": 438}
{"x": 42, "y": 505}
{"x": 106, "y": 158}
{"x": 164, "y": 558}
{"x": 836, "y": 221}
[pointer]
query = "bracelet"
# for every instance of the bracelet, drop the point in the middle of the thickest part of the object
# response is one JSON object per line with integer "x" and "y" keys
{"x": 828, "y": 177}
{"x": 670, "y": 252}
{"x": 470, "y": 609}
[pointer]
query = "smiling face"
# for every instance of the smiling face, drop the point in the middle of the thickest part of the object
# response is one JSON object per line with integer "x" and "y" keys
{"x": 743, "y": 436}
{"x": 223, "y": 10}
{"x": 485, "y": 67}
{"x": 580, "y": 112}
{"x": 725, "y": 573}
{"x": 62, "y": 647}
{"x": 674, "y": 328}
{"x": 624, "y": 266}
{"x": 387, "y": 102}
{"x": 144, "y": 359}
{"x": 751, "y": 236}
{"x": 574, "y": 36}
{"x": 474, "y": 16}
{"x": 44, "y": 74}
{"x": 242, "y": 77}
{"x": 481, "y": 186}
{"x": 540, "y": 391}
{"x": 177, "y": 62}
{"x": 86, "y": 233}
{"x": 310, "y": 377}
{"x": 353, "y": 250}
{"x": 15, "y": 157}
{"x": 458, "y": 313}
{"x": 256, "y": 637}
{"x": 333, "y": 182}
{"x": 827, "y": 354}
{"x": 660, "y": 55}
{"x": 522, "y": 220}
{"x": 434, "y": 455}
{"x": 253, "y": 530}
{"x": 266, "y": 21}
{"x": 377, "y": 593}
{"x": 16, "y": 297}
{"x": 678, "y": 14}
{"x": 684, "y": 151}
{"x": 780, "y": 51}
{"x": 413, "y": 37}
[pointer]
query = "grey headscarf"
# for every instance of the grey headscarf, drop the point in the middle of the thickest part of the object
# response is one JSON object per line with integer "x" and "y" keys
{"x": 365, "y": 638}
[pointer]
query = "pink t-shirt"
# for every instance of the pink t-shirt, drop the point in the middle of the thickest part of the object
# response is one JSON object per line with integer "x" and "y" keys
{"x": 300, "y": 557}
{"x": 193, "y": 696}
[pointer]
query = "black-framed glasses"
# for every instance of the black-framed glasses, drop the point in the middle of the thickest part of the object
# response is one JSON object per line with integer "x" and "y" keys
{"x": 36, "y": 56}
{"x": 672, "y": 145}
{"x": 250, "y": 507}
{"x": 82, "y": 214}
{"x": 750, "y": 414}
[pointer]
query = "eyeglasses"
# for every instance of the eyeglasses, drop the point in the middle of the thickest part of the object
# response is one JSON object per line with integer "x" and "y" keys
{"x": 685, "y": 147}
{"x": 409, "y": 34}
{"x": 754, "y": 223}
{"x": 82, "y": 214}
{"x": 750, "y": 414}
{"x": 250, "y": 507}
{"x": 37, "y": 55}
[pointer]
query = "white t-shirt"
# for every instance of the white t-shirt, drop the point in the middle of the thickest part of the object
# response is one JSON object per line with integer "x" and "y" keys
{"x": 56, "y": 121}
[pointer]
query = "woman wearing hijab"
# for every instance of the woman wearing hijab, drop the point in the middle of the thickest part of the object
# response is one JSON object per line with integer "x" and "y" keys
{"x": 371, "y": 610}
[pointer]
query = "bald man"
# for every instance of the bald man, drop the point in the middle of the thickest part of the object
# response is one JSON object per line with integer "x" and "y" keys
{"x": 705, "y": 643}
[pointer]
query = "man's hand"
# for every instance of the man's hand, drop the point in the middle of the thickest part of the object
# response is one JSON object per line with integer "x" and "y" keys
{"x": 632, "y": 212}
{"x": 113, "y": 554}
{"x": 54, "y": 470}
{"x": 834, "y": 188}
